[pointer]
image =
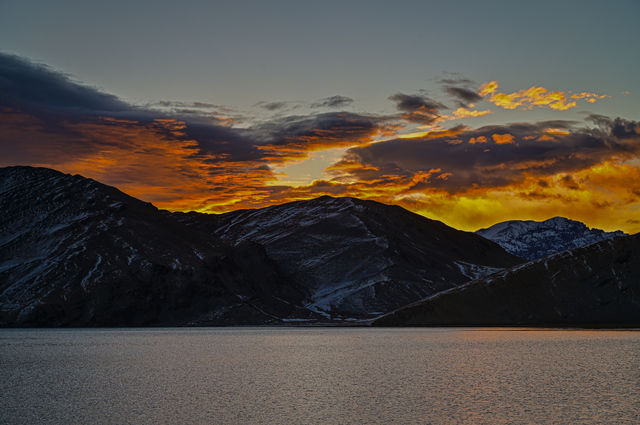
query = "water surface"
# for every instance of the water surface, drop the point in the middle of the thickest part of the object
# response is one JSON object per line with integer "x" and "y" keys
{"x": 314, "y": 375}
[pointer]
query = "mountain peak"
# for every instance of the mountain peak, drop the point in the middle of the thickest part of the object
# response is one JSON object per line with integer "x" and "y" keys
{"x": 359, "y": 257}
{"x": 535, "y": 239}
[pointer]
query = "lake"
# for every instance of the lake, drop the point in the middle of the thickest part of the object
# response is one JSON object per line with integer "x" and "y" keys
{"x": 319, "y": 375}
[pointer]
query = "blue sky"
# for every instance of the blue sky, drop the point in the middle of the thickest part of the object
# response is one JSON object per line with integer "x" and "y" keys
{"x": 240, "y": 53}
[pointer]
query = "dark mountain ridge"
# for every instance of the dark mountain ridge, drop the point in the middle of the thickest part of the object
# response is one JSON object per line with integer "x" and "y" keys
{"x": 593, "y": 286}
{"x": 76, "y": 252}
{"x": 354, "y": 258}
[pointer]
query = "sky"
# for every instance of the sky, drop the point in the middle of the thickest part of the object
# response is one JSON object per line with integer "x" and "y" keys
{"x": 463, "y": 111}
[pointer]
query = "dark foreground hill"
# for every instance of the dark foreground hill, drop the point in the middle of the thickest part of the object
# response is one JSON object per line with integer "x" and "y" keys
{"x": 593, "y": 286}
{"x": 74, "y": 252}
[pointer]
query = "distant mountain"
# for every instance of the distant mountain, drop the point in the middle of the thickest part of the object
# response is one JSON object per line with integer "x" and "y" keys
{"x": 597, "y": 285}
{"x": 536, "y": 239}
{"x": 357, "y": 259}
{"x": 76, "y": 252}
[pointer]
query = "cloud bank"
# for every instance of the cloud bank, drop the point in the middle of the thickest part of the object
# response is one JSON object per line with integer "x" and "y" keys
{"x": 195, "y": 156}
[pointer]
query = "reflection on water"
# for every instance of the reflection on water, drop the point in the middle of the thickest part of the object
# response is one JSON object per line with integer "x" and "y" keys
{"x": 303, "y": 375}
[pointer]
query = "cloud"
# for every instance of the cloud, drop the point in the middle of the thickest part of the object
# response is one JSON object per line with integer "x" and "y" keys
{"x": 488, "y": 88}
{"x": 295, "y": 136}
{"x": 589, "y": 97}
{"x": 179, "y": 104}
{"x": 501, "y": 139}
{"x": 462, "y": 113}
{"x": 535, "y": 96}
{"x": 418, "y": 108}
{"x": 332, "y": 102}
{"x": 177, "y": 154}
{"x": 272, "y": 106}
{"x": 463, "y": 95}
{"x": 489, "y": 157}
{"x": 30, "y": 86}
{"x": 193, "y": 112}
{"x": 456, "y": 81}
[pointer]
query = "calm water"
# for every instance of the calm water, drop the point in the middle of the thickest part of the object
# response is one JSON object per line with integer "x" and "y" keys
{"x": 276, "y": 375}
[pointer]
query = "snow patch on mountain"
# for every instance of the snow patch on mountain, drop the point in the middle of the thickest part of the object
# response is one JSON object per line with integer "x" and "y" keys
{"x": 475, "y": 271}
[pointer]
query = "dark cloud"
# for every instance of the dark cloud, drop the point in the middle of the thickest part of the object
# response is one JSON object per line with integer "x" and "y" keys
{"x": 599, "y": 120}
{"x": 204, "y": 105}
{"x": 272, "y": 106}
{"x": 463, "y": 96}
{"x": 27, "y": 86}
{"x": 456, "y": 81}
{"x": 330, "y": 129}
{"x": 332, "y": 102}
{"x": 178, "y": 104}
{"x": 418, "y": 108}
{"x": 411, "y": 103}
{"x": 52, "y": 114}
{"x": 493, "y": 156}
{"x": 460, "y": 89}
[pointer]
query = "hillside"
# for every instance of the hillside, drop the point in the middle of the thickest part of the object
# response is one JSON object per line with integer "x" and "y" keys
{"x": 597, "y": 285}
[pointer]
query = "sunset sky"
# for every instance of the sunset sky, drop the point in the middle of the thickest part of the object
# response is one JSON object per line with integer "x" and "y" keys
{"x": 463, "y": 111}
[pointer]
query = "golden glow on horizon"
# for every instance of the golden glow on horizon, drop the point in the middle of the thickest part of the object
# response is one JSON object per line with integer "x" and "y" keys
{"x": 600, "y": 196}
{"x": 157, "y": 162}
{"x": 416, "y": 135}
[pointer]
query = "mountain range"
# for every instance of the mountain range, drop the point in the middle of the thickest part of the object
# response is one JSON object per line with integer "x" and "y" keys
{"x": 75, "y": 252}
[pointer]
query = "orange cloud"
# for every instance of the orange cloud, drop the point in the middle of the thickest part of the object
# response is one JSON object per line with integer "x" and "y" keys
{"x": 589, "y": 97}
{"x": 501, "y": 139}
{"x": 462, "y": 112}
{"x": 557, "y": 131}
{"x": 479, "y": 139}
{"x": 534, "y": 96}
{"x": 157, "y": 162}
{"x": 434, "y": 134}
{"x": 487, "y": 88}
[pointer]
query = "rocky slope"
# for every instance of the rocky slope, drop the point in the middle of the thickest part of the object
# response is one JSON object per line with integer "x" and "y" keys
{"x": 597, "y": 285}
{"x": 76, "y": 252}
{"x": 536, "y": 239}
{"x": 356, "y": 259}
